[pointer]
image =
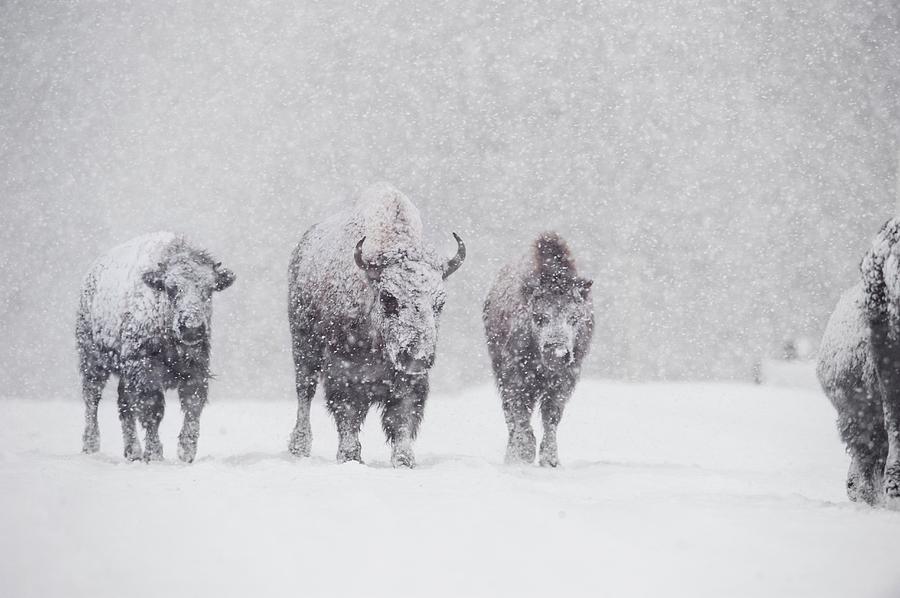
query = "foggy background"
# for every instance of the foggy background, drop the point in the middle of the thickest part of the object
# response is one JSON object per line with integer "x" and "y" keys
{"x": 718, "y": 167}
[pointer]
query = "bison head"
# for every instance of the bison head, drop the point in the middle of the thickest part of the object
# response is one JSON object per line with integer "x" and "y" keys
{"x": 556, "y": 315}
{"x": 558, "y": 300}
{"x": 189, "y": 279}
{"x": 409, "y": 298}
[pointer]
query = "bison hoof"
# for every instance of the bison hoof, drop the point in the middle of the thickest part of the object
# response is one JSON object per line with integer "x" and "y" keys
{"x": 187, "y": 452}
{"x": 518, "y": 457}
{"x": 350, "y": 454}
{"x": 860, "y": 489}
{"x": 153, "y": 452}
{"x": 300, "y": 444}
{"x": 90, "y": 444}
{"x": 520, "y": 449}
{"x": 549, "y": 460}
{"x": 403, "y": 458}
{"x": 892, "y": 481}
{"x": 133, "y": 451}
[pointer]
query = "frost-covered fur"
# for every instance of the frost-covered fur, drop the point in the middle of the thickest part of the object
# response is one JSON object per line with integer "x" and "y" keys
{"x": 145, "y": 315}
{"x": 539, "y": 319}
{"x": 859, "y": 368}
{"x": 365, "y": 296}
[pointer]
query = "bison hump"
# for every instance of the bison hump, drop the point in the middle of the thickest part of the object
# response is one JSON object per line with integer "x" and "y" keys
{"x": 390, "y": 222}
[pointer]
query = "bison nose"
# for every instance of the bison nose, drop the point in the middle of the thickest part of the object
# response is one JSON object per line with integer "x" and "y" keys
{"x": 556, "y": 354}
{"x": 412, "y": 364}
{"x": 192, "y": 334}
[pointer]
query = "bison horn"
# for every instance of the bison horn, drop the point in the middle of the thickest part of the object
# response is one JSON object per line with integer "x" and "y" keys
{"x": 371, "y": 270}
{"x": 456, "y": 261}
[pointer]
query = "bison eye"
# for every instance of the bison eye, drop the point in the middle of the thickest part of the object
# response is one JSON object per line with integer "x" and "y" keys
{"x": 540, "y": 319}
{"x": 389, "y": 304}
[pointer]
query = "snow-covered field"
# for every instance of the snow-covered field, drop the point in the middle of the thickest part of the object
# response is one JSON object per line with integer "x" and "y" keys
{"x": 665, "y": 489}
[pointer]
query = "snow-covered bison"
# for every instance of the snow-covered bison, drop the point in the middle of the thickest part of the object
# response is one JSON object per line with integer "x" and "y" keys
{"x": 859, "y": 368}
{"x": 539, "y": 319}
{"x": 145, "y": 316}
{"x": 365, "y": 296}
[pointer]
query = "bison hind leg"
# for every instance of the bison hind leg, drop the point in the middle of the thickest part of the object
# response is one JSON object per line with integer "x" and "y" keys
{"x": 92, "y": 383}
{"x": 307, "y": 367}
{"x": 127, "y": 406}
{"x": 300, "y": 444}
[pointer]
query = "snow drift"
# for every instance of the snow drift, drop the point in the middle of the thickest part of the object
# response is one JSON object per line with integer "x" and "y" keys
{"x": 668, "y": 489}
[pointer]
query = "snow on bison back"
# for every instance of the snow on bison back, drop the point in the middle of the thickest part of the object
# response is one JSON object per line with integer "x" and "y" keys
{"x": 145, "y": 315}
{"x": 859, "y": 369}
{"x": 365, "y": 296}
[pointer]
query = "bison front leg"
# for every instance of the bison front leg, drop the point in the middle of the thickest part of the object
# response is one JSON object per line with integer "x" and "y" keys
{"x": 151, "y": 407}
{"x": 861, "y": 425}
{"x": 551, "y": 413}
{"x": 892, "y": 465}
{"x": 861, "y": 481}
{"x": 403, "y": 411}
{"x": 552, "y": 405}
{"x": 193, "y": 398}
{"x": 520, "y": 447}
{"x": 349, "y": 407}
{"x": 886, "y": 352}
{"x": 519, "y": 397}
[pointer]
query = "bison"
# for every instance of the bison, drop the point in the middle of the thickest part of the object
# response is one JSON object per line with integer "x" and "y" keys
{"x": 144, "y": 315}
{"x": 365, "y": 296}
{"x": 538, "y": 319}
{"x": 859, "y": 369}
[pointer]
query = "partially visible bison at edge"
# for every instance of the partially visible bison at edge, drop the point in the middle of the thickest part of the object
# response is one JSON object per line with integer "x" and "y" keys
{"x": 145, "y": 315}
{"x": 859, "y": 368}
{"x": 539, "y": 319}
{"x": 365, "y": 297}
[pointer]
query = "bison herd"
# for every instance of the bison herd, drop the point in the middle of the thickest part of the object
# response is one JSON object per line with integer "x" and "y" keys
{"x": 365, "y": 296}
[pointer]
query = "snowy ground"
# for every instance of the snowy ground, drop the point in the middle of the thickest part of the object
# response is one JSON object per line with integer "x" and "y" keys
{"x": 693, "y": 490}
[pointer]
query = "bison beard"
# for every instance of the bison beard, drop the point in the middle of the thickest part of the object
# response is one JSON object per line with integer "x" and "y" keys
{"x": 365, "y": 297}
{"x": 538, "y": 319}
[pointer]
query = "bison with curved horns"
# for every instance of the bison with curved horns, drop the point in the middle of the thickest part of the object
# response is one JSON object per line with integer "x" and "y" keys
{"x": 365, "y": 297}
{"x": 145, "y": 315}
{"x": 859, "y": 369}
{"x": 539, "y": 319}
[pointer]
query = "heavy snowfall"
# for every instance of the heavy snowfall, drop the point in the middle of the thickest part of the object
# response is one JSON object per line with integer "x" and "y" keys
{"x": 718, "y": 169}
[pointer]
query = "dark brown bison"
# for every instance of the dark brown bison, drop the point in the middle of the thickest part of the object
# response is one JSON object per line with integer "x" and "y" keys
{"x": 859, "y": 368}
{"x": 539, "y": 319}
{"x": 365, "y": 297}
{"x": 145, "y": 316}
